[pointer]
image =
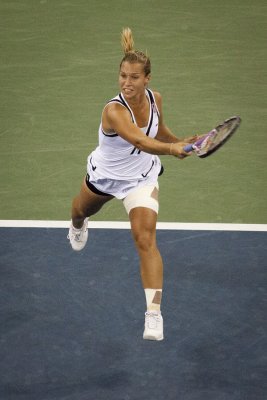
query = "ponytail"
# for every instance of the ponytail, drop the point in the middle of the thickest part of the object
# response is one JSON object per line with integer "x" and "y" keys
{"x": 130, "y": 54}
{"x": 127, "y": 41}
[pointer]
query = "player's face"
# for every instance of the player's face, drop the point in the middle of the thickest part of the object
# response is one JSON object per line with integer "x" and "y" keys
{"x": 132, "y": 79}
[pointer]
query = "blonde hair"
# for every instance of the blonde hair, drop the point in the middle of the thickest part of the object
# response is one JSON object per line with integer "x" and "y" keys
{"x": 130, "y": 54}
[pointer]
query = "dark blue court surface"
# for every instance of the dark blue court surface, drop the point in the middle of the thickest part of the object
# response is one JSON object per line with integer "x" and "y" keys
{"x": 72, "y": 323}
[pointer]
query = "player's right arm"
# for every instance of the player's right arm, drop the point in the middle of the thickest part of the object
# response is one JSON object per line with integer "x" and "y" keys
{"x": 117, "y": 118}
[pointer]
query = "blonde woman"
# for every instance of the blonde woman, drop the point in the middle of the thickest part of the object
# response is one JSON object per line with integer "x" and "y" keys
{"x": 126, "y": 165}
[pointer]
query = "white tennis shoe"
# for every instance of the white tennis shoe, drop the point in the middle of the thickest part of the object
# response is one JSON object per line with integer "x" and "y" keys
{"x": 153, "y": 326}
{"x": 78, "y": 237}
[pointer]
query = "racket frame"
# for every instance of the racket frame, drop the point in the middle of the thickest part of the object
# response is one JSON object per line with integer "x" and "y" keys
{"x": 192, "y": 147}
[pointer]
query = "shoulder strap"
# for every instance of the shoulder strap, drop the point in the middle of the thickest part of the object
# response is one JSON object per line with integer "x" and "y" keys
{"x": 128, "y": 108}
{"x": 153, "y": 101}
{"x": 121, "y": 101}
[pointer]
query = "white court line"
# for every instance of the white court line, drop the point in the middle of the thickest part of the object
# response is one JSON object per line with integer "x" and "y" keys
{"x": 125, "y": 225}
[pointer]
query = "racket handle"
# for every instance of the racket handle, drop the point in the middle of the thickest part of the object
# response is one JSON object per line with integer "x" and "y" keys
{"x": 188, "y": 148}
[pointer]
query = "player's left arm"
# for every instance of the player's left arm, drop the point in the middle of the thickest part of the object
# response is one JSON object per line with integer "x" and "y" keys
{"x": 164, "y": 133}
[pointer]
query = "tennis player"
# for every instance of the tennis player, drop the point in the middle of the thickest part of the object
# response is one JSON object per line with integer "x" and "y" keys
{"x": 125, "y": 165}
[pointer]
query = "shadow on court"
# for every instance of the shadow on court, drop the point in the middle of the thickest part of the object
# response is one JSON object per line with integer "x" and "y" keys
{"x": 72, "y": 323}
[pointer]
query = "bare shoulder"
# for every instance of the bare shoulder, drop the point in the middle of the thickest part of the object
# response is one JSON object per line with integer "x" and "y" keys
{"x": 113, "y": 110}
{"x": 114, "y": 107}
{"x": 157, "y": 95}
{"x": 113, "y": 113}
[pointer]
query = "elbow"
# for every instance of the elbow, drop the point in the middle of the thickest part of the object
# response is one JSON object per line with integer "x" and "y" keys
{"x": 137, "y": 143}
{"x": 140, "y": 144}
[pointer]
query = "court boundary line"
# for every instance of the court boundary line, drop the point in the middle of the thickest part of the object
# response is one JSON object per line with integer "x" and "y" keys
{"x": 194, "y": 226}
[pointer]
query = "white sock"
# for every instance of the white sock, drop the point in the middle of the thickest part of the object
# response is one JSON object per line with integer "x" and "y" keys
{"x": 153, "y": 299}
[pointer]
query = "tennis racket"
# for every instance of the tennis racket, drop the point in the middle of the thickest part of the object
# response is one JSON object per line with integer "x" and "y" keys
{"x": 213, "y": 140}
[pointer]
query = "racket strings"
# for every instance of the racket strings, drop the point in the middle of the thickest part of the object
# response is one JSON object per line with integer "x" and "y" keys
{"x": 224, "y": 131}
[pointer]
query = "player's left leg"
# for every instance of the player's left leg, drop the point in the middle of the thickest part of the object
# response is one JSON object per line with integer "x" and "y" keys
{"x": 143, "y": 225}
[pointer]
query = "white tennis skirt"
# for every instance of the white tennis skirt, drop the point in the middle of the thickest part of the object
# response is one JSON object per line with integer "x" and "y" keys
{"x": 121, "y": 188}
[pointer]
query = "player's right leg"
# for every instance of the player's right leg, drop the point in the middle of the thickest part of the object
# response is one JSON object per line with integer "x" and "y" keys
{"x": 87, "y": 203}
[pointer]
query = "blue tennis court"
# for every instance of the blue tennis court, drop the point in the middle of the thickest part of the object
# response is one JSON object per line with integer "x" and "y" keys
{"x": 72, "y": 323}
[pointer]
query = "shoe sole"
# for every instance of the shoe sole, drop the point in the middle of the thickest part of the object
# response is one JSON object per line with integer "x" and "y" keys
{"x": 150, "y": 337}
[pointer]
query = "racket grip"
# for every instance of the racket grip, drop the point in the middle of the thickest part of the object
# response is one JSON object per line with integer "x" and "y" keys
{"x": 188, "y": 148}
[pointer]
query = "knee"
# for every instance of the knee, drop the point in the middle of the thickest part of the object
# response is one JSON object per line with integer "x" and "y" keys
{"x": 144, "y": 240}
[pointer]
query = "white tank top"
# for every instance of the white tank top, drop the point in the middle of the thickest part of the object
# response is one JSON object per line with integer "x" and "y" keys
{"x": 117, "y": 159}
